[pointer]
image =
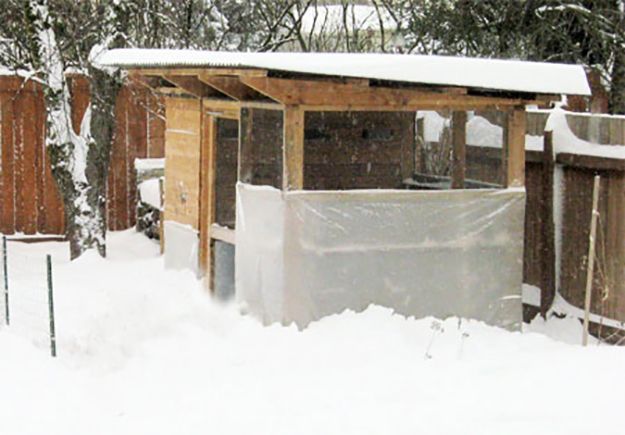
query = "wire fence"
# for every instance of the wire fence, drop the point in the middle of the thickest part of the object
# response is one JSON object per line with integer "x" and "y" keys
{"x": 27, "y": 302}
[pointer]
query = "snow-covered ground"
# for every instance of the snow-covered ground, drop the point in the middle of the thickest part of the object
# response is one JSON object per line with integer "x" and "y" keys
{"x": 144, "y": 351}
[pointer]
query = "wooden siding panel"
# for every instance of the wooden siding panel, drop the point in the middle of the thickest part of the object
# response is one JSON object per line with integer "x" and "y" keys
{"x": 182, "y": 159}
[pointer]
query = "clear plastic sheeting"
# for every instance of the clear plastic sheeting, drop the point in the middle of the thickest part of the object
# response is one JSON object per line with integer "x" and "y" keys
{"x": 304, "y": 255}
{"x": 259, "y": 253}
{"x": 181, "y": 246}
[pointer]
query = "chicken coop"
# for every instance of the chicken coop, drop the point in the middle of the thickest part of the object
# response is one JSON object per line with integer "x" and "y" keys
{"x": 296, "y": 181}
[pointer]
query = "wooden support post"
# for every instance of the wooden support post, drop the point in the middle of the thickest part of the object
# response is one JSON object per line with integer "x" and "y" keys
{"x": 246, "y": 160}
{"x": 408, "y": 154}
{"x": 419, "y": 163}
{"x": 207, "y": 196}
{"x": 513, "y": 159}
{"x": 459, "y": 137}
{"x": 293, "y": 149}
{"x": 547, "y": 241}
{"x": 590, "y": 269}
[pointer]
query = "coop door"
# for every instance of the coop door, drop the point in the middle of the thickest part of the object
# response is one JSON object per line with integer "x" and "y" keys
{"x": 220, "y": 146}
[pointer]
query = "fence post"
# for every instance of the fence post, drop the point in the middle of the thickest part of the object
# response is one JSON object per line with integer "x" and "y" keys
{"x": 51, "y": 307}
{"x": 547, "y": 242}
{"x": 5, "y": 273}
{"x": 591, "y": 257}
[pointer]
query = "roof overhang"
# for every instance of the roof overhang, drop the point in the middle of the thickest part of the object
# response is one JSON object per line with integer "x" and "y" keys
{"x": 340, "y": 81}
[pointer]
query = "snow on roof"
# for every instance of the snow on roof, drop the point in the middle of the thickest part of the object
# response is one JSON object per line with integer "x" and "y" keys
{"x": 494, "y": 74}
{"x": 333, "y": 18}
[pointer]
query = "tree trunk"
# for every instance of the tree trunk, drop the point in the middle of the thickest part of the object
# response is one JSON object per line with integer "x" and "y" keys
{"x": 73, "y": 158}
{"x": 80, "y": 166}
{"x": 79, "y": 159}
{"x": 617, "y": 91}
{"x": 617, "y": 88}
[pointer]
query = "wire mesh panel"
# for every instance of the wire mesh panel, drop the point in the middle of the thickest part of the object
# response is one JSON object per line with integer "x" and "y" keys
{"x": 28, "y": 293}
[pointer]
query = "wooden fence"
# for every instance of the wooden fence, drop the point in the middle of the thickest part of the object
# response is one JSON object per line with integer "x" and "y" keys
{"x": 29, "y": 200}
{"x": 573, "y": 177}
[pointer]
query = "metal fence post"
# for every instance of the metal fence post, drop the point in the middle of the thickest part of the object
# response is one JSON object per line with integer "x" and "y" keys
{"x": 5, "y": 273}
{"x": 51, "y": 307}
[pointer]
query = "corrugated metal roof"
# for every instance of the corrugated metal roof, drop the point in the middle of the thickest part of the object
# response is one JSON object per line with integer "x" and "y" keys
{"x": 493, "y": 74}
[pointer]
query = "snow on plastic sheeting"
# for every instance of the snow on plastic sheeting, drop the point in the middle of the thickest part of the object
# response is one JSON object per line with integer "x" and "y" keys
{"x": 443, "y": 253}
{"x": 181, "y": 246}
{"x": 259, "y": 253}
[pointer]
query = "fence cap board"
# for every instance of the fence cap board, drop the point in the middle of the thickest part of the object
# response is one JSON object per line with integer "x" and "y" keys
{"x": 600, "y": 163}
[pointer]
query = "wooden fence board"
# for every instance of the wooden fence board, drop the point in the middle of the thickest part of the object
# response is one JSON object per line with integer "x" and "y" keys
{"x": 40, "y": 159}
{"x": 156, "y": 126}
{"x": 7, "y": 208}
{"x": 30, "y": 176}
{"x": 18, "y": 162}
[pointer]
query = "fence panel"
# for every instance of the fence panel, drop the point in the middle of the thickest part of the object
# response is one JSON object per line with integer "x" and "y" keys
{"x": 29, "y": 199}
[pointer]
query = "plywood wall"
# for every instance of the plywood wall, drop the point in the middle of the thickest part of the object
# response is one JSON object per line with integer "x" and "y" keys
{"x": 182, "y": 160}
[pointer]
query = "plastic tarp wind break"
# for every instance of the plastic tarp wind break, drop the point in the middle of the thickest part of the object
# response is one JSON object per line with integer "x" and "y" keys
{"x": 181, "y": 246}
{"x": 303, "y": 255}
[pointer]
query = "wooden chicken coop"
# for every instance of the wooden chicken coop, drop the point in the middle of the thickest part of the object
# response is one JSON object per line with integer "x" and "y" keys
{"x": 295, "y": 179}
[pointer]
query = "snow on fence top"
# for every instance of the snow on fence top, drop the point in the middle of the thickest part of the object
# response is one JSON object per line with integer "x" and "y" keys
{"x": 493, "y": 74}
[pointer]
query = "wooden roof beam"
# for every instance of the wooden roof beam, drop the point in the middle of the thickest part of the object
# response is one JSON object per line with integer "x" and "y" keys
{"x": 221, "y": 108}
{"x": 147, "y": 81}
{"x": 193, "y": 86}
{"x": 232, "y": 87}
{"x": 173, "y": 92}
{"x": 247, "y": 72}
{"x": 315, "y": 93}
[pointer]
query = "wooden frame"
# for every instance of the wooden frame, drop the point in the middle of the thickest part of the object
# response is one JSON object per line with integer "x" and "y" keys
{"x": 293, "y": 149}
{"x": 459, "y": 153}
{"x": 207, "y": 196}
{"x": 225, "y": 92}
{"x": 328, "y": 95}
{"x": 513, "y": 149}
